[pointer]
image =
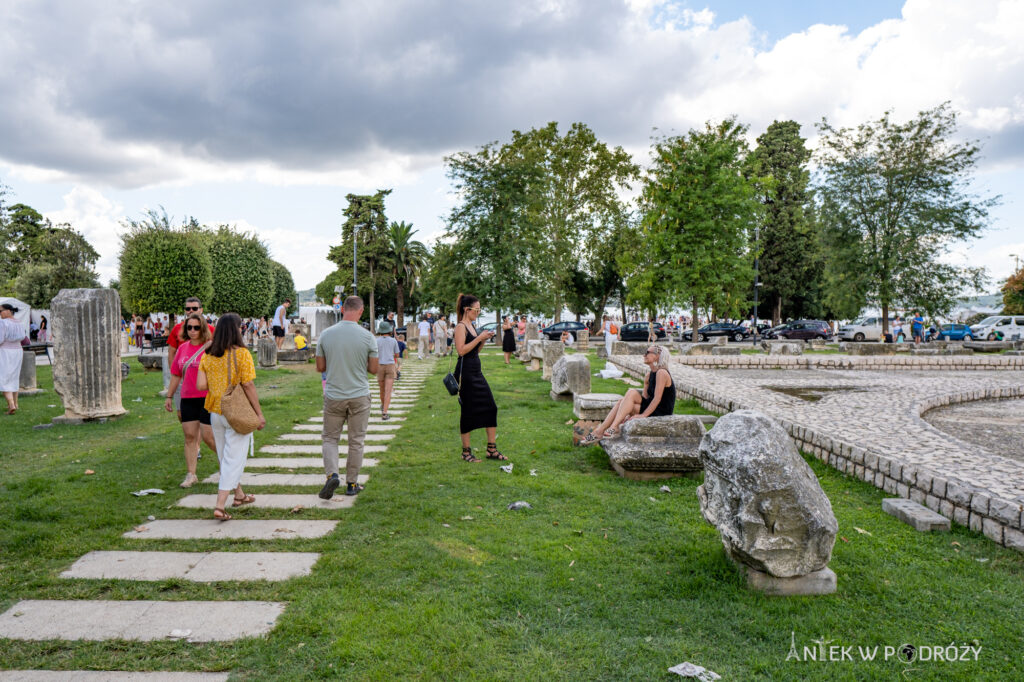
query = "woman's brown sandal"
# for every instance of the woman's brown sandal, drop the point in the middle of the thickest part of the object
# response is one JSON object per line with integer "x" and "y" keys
{"x": 492, "y": 452}
{"x": 220, "y": 514}
{"x": 239, "y": 501}
{"x": 467, "y": 455}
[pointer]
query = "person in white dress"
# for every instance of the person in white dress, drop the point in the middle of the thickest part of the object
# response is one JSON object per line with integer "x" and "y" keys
{"x": 12, "y": 333}
{"x": 440, "y": 337}
{"x": 609, "y": 338}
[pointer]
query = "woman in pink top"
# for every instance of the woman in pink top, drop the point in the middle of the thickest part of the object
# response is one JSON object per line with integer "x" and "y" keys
{"x": 195, "y": 420}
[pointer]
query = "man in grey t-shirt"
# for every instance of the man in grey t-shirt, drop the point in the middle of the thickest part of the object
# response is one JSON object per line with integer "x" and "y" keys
{"x": 346, "y": 352}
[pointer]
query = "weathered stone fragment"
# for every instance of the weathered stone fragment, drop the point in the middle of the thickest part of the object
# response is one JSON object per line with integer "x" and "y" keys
{"x": 593, "y": 405}
{"x": 657, "y": 447}
{"x": 583, "y": 339}
{"x": 570, "y": 375}
{"x": 783, "y": 347}
{"x": 329, "y": 318}
{"x": 531, "y": 334}
{"x": 763, "y": 497}
{"x": 701, "y": 348}
{"x": 871, "y": 348}
{"x": 725, "y": 350}
{"x": 552, "y": 350}
{"x": 913, "y": 514}
{"x": 266, "y": 352}
{"x": 86, "y": 367}
{"x": 27, "y": 379}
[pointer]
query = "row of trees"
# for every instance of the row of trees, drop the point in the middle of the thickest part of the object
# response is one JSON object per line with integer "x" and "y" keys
{"x": 38, "y": 258}
{"x": 161, "y": 264}
{"x": 542, "y": 221}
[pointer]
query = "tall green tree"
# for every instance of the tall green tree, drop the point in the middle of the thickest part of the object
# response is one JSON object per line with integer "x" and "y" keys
{"x": 407, "y": 258}
{"x": 58, "y": 258}
{"x": 161, "y": 264}
{"x": 577, "y": 200}
{"x": 242, "y": 272}
{"x": 1013, "y": 294}
{"x": 790, "y": 260}
{"x": 893, "y": 198}
{"x": 494, "y": 230}
{"x": 284, "y": 287}
{"x": 700, "y": 207}
{"x": 366, "y": 221}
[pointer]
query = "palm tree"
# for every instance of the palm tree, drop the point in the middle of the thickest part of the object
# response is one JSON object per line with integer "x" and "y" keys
{"x": 408, "y": 257}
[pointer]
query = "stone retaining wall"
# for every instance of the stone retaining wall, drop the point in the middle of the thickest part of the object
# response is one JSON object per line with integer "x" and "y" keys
{"x": 876, "y": 363}
{"x": 1001, "y": 520}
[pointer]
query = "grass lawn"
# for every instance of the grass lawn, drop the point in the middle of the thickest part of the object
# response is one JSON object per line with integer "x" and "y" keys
{"x": 430, "y": 577}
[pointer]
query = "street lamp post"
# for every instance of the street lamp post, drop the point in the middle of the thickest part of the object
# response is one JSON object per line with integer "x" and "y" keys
{"x": 355, "y": 274}
{"x": 757, "y": 277}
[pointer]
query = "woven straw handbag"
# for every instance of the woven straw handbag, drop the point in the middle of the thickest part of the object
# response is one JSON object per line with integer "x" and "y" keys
{"x": 235, "y": 405}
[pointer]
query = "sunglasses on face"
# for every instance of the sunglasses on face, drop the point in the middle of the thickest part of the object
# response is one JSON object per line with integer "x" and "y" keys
{"x": 192, "y": 327}
{"x": 191, "y": 309}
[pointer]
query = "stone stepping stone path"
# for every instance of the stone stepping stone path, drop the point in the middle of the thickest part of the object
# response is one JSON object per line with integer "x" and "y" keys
{"x": 200, "y": 567}
{"x": 139, "y": 620}
{"x": 265, "y": 501}
{"x": 297, "y": 462}
{"x": 370, "y": 428}
{"x": 314, "y": 480}
{"x": 107, "y": 676}
{"x": 204, "y": 621}
{"x": 316, "y": 436}
{"x": 236, "y": 529}
{"x": 314, "y": 449}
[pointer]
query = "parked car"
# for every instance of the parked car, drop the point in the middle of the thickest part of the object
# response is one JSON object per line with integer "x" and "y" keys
{"x": 554, "y": 332}
{"x": 800, "y": 330}
{"x": 491, "y": 327}
{"x": 955, "y": 332}
{"x": 639, "y": 331}
{"x": 999, "y": 327}
{"x": 733, "y": 331}
{"x": 867, "y": 329}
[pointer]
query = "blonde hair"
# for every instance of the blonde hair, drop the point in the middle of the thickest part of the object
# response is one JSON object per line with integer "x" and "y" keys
{"x": 663, "y": 357}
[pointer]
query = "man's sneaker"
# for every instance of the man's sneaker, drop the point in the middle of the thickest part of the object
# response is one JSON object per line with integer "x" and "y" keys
{"x": 327, "y": 492}
{"x": 354, "y": 489}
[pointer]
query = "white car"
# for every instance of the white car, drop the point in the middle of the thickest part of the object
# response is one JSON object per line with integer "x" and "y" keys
{"x": 863, "y": 329}
{"x": 1009, "y": 327}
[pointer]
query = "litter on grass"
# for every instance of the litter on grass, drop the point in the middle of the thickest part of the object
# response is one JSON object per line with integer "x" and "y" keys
{"x": 533, "y": 472}
{"x": 520, "y": 505}
{"x": 147, "y": 491}
{"x": 665, "y": 489}
{"x": 507, "y": 468}
{"x": 610, "y": 372}
{"x": 701, "y": 673}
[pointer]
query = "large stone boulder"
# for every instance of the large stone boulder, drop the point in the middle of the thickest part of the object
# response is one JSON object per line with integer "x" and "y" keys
{"x": 328, "y": 318}
{"x": 869, "y": 348}
{"x": 295, "y": 355}
{"x": 763, "y": 498}
{"x": 266, "y": 353}
{"x": 701, "y": 348}
{"x": 570, "y": 375}
{"x": 552, "y": 351}
{"x": 629, "y": 347}
{"x": 152, "y": 361}
{"x": 86, "y": 367}
{"x": 725, "y": 350}
{"x": 657, "y": 447}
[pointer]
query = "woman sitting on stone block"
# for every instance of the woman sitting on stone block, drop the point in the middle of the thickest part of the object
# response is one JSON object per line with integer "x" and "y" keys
{"x": 658, "y": 398}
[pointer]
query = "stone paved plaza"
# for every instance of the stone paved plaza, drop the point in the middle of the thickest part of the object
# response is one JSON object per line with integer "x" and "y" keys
{"x": 868, "y": 424}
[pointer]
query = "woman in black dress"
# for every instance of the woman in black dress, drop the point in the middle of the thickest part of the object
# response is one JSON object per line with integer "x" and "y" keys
{"x": 479, "y": 410}
{"x": 658, "y": 398}
{"x": 508, "y": 339}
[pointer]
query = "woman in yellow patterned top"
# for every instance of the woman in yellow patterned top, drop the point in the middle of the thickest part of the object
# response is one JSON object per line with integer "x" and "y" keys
{"x": 232, "y": 447}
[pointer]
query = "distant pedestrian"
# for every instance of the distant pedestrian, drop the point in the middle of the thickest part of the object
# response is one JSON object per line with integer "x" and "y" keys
{"x": 440, "y": 337}
{"x": 228, "y": 363}
{"x": 12, "y": 333}
{"x": 508, "y": 339}
{"x": 281, "y": 322}
{"x": 917, "y": 327}
{"x": 387, "y": 373}
{"x": 479, "y": 411}
{"x": 609, "y": 335}
{"x": 424, "y": 338}
{"x": 44, "y": 330}
{"x": 521, "y": 328}
{"x": 139, "y": 333}
{"x": 897, "y": 330}
{"x": 345, "y": 353}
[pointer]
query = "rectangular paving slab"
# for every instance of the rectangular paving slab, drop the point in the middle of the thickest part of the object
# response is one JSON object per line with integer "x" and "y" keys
{"x": 264, "y": 501}
{"x": 370, "y": 428}
{"x": 913, "y": 514}
{"x": 108, "y": 676}
{"x": 314, "y": 449}
{"x": 281, "y": 479}
{"x": 297, "y": 462}
{"x": 235, "y": 529}
{"x": 201, "y": 567}
{"x": 373, "y": 419}
{"x": 316, "y": 436}
{"x": 141, "y": 621}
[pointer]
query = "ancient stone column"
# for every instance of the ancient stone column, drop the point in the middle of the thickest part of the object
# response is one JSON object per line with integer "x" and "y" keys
{"x": 87, "y": 366}
{"x": 27, "y": 382}
{"x": 552, "y": 351}
{"x": 266, "y": 352}
{"x": 325, "y": 319}
{"x": 583, "y": 339}
{"x": 532, "y": 334}
{"x": 165, "y": 367}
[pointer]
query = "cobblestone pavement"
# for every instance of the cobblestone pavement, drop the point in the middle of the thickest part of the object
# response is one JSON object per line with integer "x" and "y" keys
{"x": 868, "y": 424}
{"x": 995, "y": 425}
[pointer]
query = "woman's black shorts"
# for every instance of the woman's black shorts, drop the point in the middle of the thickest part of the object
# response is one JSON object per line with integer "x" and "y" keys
{"x": 192, "y": 409}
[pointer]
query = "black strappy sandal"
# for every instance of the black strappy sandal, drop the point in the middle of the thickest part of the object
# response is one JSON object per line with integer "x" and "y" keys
{"x": 467, "y": 455}
{"x": 492, "y": 452}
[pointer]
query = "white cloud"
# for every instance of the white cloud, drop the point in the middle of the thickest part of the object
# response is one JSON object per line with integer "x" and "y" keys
{"x": 304, "y": 253}
{"x": 98, "y": 219}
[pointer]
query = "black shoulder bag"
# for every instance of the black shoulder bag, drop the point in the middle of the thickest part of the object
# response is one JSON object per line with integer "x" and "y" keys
{"x": 450, "y": 382}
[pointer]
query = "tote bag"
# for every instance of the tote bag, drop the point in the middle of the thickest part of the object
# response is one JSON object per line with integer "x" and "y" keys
{"x": 235, "y": 405}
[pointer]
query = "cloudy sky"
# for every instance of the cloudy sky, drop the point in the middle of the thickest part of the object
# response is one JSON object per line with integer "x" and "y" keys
{"x": 266, "y": 114}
